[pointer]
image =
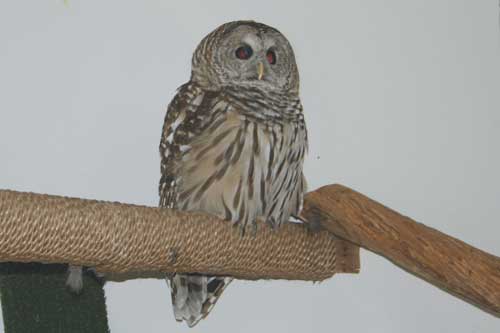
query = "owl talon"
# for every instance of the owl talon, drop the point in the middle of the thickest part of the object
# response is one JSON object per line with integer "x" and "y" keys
{"x": 254, "y": 229}
{"x": 313, "y": 225}
{"x": 271, "y": 222}
{"x": 245, "y": 229}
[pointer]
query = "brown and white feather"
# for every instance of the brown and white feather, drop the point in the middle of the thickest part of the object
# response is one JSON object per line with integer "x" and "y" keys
{"x": 235, "y": 151}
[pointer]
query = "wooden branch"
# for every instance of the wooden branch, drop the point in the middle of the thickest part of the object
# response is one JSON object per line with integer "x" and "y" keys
{"x": 446, "y": 262}
{"x": 120, "y": 238}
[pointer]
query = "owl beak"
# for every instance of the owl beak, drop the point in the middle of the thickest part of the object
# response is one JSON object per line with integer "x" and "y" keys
{"x": 260, "y": 70}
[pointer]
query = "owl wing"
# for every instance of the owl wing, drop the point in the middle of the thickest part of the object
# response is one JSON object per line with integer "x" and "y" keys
{"x": 193, "y": 295}
{"x": 178, "y": 129}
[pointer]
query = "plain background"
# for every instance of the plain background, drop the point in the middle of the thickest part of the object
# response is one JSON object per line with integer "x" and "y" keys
{"x": 402, "y": 101}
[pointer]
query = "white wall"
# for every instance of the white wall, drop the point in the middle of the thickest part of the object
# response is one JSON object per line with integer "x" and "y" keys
{"x": 402, "y": 100}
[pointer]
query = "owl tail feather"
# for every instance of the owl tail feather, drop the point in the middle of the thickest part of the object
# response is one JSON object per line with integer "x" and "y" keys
{"x": 194, "y": 296}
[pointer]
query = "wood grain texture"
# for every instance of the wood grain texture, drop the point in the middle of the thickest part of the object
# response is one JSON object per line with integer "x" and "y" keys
{"x": 448, "y": 263}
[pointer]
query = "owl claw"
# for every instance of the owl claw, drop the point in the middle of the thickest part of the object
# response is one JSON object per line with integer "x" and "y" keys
{"x": 313, "y": 225}
{"x": 272, "y": 223}
{"x": 253, "y": 229}
{"x": 244, "y": 227}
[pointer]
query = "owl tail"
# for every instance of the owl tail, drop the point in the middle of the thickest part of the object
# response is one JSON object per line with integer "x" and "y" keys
{"x": 194, "y": 296}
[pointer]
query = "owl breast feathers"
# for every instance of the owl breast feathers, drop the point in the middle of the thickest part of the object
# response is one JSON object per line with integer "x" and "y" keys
{"x": 230, "y": 154}
{"x": 233, "y": 142}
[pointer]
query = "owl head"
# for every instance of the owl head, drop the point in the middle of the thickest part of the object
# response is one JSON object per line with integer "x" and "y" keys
{"x": 245, "y": 54}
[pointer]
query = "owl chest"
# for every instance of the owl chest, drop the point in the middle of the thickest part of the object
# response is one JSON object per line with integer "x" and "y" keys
{"x": 230, "y": 169}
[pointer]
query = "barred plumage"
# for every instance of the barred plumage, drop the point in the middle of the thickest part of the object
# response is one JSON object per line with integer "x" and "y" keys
{"x": 233, "y": 145}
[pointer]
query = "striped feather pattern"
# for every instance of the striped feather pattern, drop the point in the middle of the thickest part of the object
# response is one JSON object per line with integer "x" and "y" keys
{"x": 236, "y": 155}
{"x": 232, "y": 147}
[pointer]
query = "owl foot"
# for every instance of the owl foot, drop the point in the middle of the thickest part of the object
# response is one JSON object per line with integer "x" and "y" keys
{"x": 313, "y": 225}
{"x": 246, "y": 228}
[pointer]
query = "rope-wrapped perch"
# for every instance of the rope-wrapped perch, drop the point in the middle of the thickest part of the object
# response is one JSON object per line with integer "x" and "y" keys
{"x": 120, "y": 238}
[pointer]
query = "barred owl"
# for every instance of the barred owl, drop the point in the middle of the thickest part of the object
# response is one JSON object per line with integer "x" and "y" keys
{"x": 233, "y": 143}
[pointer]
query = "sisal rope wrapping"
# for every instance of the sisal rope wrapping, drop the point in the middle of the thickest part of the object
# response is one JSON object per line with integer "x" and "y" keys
{"x": 122, "y": 238}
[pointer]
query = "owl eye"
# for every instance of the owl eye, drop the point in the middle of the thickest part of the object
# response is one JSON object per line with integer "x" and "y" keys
{"x": 271, "y": 57}
{"x": 244, "y": 52}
